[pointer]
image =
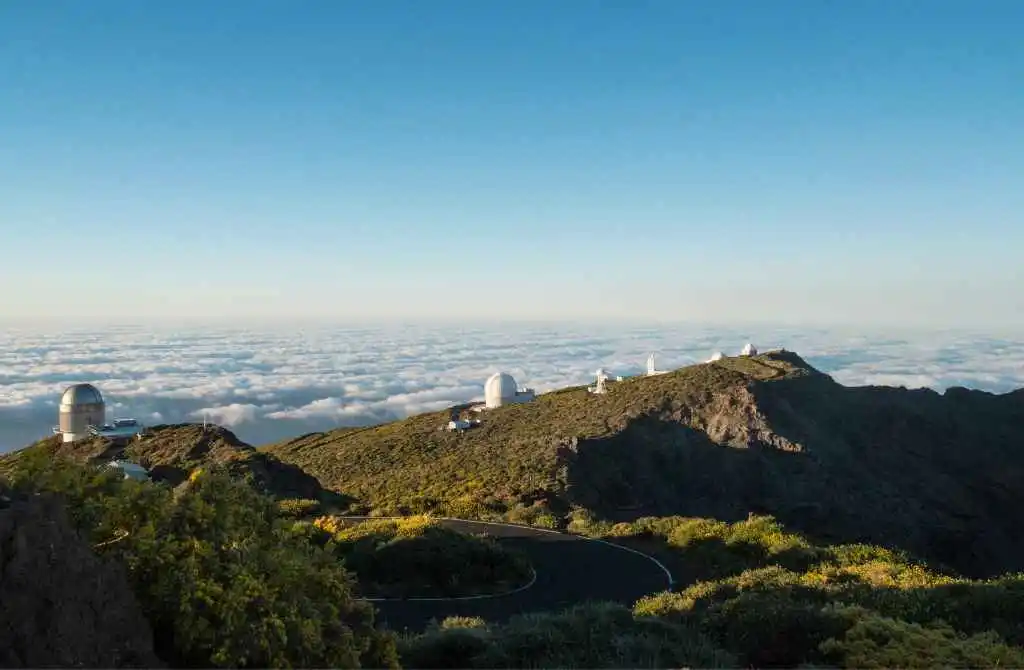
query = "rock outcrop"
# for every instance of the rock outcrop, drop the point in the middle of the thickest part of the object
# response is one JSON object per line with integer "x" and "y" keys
{"x": 61, "y": 605}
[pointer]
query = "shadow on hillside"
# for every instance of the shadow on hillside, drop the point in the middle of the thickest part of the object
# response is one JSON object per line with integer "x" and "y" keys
{"x": 937, "y": 477}
{"x": 662, "y": 468}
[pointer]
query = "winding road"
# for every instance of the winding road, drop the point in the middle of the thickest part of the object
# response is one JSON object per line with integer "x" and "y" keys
{"x": 569, "y": 569}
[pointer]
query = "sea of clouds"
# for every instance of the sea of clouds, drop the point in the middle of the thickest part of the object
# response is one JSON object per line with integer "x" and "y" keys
{"x": 269, "y": 384}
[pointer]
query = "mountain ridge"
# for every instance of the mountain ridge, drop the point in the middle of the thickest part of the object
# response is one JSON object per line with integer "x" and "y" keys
{"x": 934, "y": 474}
{"x": 173, "y": 452}
{"x": 927, "y": 472}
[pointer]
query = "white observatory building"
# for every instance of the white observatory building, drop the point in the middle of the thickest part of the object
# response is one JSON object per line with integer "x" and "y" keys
{"x": 501, "y": 389}
{"x": 601, "y": 385}
{"x": 81, "y": 407}
{"x": 749, "y": 350}
{"x": 652, "y": 368}
{"x": 717, "y": 356}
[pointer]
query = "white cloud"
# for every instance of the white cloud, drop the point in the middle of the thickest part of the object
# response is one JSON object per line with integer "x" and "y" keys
{"x": 272, "y": 384}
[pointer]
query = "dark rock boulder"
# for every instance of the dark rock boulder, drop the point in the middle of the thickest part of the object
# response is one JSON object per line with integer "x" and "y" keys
{"x": 62, "y": 605}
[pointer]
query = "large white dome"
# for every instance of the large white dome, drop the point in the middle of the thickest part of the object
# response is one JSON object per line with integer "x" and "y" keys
{"x": 81, "y": 406}
{"x": 81, "y": 394}
{"x": 499, "y": 389}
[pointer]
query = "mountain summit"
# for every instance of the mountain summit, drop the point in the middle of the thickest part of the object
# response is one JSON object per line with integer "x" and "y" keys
{"x": 937, "y": 474}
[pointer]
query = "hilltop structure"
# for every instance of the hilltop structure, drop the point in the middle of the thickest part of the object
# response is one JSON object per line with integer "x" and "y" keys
{"x": 600, "y": 386}
{"x": 717, "y": 356}
{"x": 749, "y": 350}
{"x": 83, "y": 415}
{"x": 81, "y": 406}
{"x": 652, "y": 369}
{"x": 501, "y": 389}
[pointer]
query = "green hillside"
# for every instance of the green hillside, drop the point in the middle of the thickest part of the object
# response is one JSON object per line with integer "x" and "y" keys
{"x": 173, "y": 452}
{"x": 938, "y": 475}
{"x": 224, "y": 577}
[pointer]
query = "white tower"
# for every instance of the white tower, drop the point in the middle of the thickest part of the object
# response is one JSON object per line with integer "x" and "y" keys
{"x": 81, "y": 406}
{"x": 602, "y": 377}
{"x": 651, "y": 369}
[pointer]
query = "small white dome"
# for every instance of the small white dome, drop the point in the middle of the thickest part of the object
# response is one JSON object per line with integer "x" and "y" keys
{"x": 749, "y": 350}
{"x": 500, "y": 388}
{"x": 717, "y": 356}
{"x": 81, "y": 394}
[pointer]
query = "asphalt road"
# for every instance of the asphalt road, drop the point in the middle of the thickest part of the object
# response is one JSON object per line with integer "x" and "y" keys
{"x": 570, "y": 570}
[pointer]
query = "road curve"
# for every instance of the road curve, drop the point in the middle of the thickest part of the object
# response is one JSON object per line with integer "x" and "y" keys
{"x": 570, "y": 569}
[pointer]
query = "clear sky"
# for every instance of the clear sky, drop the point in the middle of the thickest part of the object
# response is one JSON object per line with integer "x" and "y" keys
{"x": 793, "y": 160}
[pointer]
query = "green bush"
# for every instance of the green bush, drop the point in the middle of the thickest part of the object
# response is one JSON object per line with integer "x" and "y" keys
{"x": 224, "y": 582}
{"x": 598, "y": 635}
{"x": 299, "y": 508}
{"x": 444, "y": 647}
{"x": 537, "y": 515}
{"x": 777, "y": 617}
{"x": 874, "y": 641}
{"x": 417, "y": 557}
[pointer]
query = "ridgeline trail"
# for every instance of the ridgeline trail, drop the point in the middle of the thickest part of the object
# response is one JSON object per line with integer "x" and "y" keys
{"x": 569, "y": 570}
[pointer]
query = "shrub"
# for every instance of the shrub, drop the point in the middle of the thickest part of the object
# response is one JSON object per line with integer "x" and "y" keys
{"x": 463, "y": 622}
{"x": 537, "y": 515}
{"x": 874, "y": 641}
{"x": 444, "y": 647}
{"x": 298, "y": 507}
{"x": 597, "y": 635}
{"x": 224, "y": 582}
{"x": 418, "y": 557}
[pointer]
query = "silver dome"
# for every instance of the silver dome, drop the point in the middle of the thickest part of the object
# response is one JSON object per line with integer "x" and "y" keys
{"x": 81, "y": 394}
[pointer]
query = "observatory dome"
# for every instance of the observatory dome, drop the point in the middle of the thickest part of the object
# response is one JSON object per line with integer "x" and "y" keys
{"x": 81, "y": 394}
{"x": 499, "y": 389}
{"x": 81, "y": 407}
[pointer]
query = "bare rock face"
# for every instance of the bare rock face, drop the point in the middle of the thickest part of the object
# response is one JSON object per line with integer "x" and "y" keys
{"x": 61, "y": 605}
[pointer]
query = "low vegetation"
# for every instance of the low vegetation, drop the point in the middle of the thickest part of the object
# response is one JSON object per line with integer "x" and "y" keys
{"x": 226, "y": 580}
{"x": 514, "y": 466}
{"x": 767, "y": 598}
{"x": 173, "y": 452}
{"x": 416, "y": 557}
{"x": 223, "y": 580}
{"x": 597, "y": 635}
{"x": 806, "y": 524}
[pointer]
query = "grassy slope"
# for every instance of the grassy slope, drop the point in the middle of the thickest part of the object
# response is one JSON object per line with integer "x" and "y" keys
{"x": 515, "y": 455}
{"x": 934, "y": 474}
{"x": 172, "y": 452}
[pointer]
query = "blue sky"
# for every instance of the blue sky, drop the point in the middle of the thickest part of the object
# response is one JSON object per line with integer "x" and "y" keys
{"x": 791, "y": 161}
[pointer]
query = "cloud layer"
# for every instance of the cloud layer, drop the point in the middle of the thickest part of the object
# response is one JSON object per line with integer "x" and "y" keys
{"x": 272, "y": 384}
